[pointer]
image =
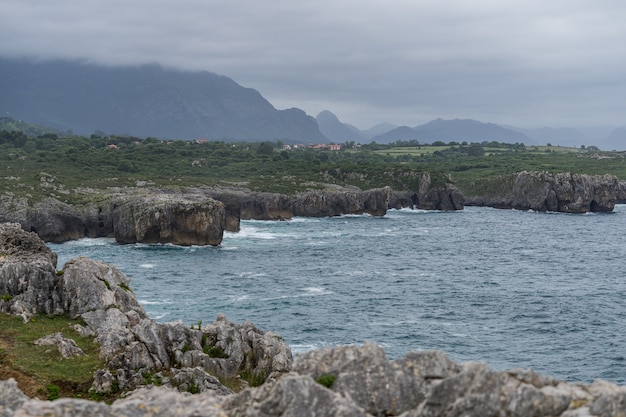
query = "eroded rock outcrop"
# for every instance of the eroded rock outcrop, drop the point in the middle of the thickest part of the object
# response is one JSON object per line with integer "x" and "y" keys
{"x": 199, "y": 216}
{"x": 51, "y": 219}
{"x": 429, "y": 196}
{"x": 181, "y": 220}
{"x": 560, "y": 192}
{"x": 331, "y": 203}
{"x": 131, "y": 344}
{"x": 621, "y": 192}
{"x": 564, "y": 192}
{"x": 360, "y": 381}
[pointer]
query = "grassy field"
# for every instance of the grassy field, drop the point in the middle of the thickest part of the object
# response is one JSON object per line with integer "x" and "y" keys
{"x": 40, "y": 370}
{"x": 76, "y": 169}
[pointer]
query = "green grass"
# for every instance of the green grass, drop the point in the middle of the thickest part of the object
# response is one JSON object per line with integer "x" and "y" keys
{"x": 42, "y": 368}
{"x": 81, "y": 170}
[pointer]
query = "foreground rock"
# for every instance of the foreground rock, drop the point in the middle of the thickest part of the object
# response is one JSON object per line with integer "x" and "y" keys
{"x": 134, "y": 347}
{"x": 559, "y": 192}
{"x": 360, "y": 381}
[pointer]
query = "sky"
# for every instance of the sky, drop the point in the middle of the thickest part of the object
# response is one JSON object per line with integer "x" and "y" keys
{"x": 529, "y": 63}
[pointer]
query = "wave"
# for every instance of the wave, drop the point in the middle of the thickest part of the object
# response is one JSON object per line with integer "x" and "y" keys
{"x": 249, "y": 232}
{"x": 154, "y": 302}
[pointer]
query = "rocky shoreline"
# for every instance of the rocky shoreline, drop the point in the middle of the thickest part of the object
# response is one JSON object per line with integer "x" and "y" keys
{"x": 561, "y": 192}
{"x": 340, "y": 381}
{"x": 199, "y": 216}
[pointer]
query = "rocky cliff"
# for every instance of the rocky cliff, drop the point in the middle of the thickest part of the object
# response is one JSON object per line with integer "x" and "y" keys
{"x": 360, "y": 382}
{"x": 200, "y": 216}
{"x": 167, "y": 218}
{"x": 340, "y": 381}
{"x": 621, "y": 193}
{"x": 561, "y": 192}
{"x": 131, "y": 344}
{"x": 130, "y": 217}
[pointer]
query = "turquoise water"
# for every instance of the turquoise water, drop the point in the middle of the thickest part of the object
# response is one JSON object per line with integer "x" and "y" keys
{"x": 514, "y": 289}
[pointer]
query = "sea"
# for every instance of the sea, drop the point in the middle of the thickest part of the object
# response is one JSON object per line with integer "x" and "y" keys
{"x": 514, "y": 289}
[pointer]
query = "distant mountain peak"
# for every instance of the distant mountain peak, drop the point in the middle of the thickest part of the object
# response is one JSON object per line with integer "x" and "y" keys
{"x": 146, "y": 100}
{"x": 335, "y": 130}
{"x": 457, "y": 130}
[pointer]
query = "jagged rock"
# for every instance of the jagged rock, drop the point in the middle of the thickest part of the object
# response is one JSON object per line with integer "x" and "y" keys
{"x": 89, "y": 285}
{"x": 379, "y": 386}
{"x": 55, "y": 221}
{"x": 98, "y": 218}
{"x": 232, "y": 205}
{"x": 421, "y": 384}
{"x": 162, "y": 402}
{"x": 11, "y": 398}
{"x": 360, "y": 380}
{"x": 292, "y": 396}
{"x": 16, "y": 245}
{"x": 266, "y": 206}
{"x": 181, "y": 220}
{"x": 199, "y": 216}
{"x": 67, "y": 347}
{"x": 64, "y": 407}
{"x": 149, "y": 347}
{"x": 197, "y": 380}
{"x": 130, "y": 342}
{"x": 264, "y": 355}
{"x": 621, "y": 192}
{"x": 562, "y": 192}
{"x": 51, "y": 219}
{"x": 332, "y": 203}
{"x": 429, "y": 196}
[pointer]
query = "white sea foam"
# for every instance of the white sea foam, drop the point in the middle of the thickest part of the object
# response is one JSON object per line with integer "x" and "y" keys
{"x": 89, "y": 241}
{"x": 249, "y": 232}
{"x": 154, "y": 302}
{"x": 304, "y": 220}
{"x": 315, "y": 290}
{"x": 149, "y": 266}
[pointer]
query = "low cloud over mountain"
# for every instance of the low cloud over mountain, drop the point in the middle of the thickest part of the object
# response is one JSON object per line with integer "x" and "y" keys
{"x": 145, "y": 101}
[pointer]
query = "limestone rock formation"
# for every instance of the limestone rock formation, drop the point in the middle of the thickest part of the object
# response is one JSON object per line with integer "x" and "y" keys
{"x": 621, "y": 192}
{"x": 167, "y": 218}
{"x": 359, "y": 381}
{"x": 561, "y": 192}
{"x": 564, "y": 192}
{"x": 51, "y": 219}
{"x": 131, "y": 344}
{"x": 436, "y": 197}
{"x": 199, "y": 216}
{"x": 66, "y": 347}
{"x": 331, "y": 203}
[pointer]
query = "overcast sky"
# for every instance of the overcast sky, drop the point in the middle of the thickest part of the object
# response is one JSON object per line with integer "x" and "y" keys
{"x": 527, "y": 63}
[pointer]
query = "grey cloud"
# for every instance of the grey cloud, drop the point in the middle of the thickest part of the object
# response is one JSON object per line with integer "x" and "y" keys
{"x": 519, "y": 62}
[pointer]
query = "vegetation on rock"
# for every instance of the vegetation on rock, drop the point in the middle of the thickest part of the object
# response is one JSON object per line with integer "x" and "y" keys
{"x": 77, "y": 169}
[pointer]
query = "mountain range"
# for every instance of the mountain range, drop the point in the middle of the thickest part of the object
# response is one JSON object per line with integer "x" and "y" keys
{"x": 468, "y": 130}
{"x": 145, "y": 101}
{"x": 152, "y": 101}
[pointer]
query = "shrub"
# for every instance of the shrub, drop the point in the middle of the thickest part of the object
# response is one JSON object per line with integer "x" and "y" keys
{"x": 326, "y": 380}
